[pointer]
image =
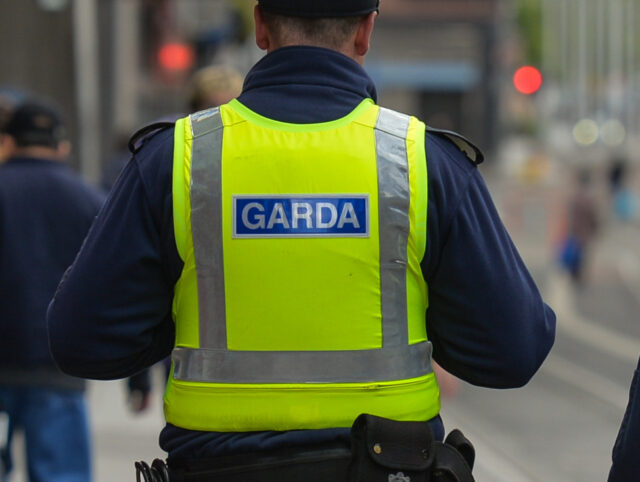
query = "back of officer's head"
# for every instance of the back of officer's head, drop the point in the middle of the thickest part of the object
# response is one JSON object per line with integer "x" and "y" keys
{"x": 36, "y": 128}
{"x": 323, "y": 23}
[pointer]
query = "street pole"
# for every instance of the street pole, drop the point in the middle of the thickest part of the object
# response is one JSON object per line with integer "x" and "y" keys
{"x": 565, "y": 59}
{"x": 126, "y": 62}
{"x": 547, "y": 37}
{"x": 616, "y": 55}
{"x": 85, "y": 39}
{"x": 631, "y": 99}
{"x": 600, "y": 77}
{"x": 582, "y": 67}
{"x": 551, "y": 55}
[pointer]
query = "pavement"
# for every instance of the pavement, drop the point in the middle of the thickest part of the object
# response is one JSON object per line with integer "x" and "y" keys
{"x": 119, "y": 437}
{"x": 563, "y": 424}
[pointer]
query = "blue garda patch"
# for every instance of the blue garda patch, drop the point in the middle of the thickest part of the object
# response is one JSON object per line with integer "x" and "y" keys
{"x": 326, "y": 215}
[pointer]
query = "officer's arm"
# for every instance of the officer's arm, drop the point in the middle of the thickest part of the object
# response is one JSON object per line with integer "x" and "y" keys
{"x": 486, "y": 318}
{"x": 111, "y": 315}
{"x": 626, "y": 465}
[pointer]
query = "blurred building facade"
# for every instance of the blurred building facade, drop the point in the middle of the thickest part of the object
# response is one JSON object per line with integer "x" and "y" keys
{"x": 437, "y": 59}
{"x": 114, "y": 65}
{"x": 36, "y": 53}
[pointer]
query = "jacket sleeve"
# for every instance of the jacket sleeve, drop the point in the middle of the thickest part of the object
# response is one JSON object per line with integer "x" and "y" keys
{"x": 111, "y": 315}
{"x": 626, "y": 464}
{"x": 486, "y": 318}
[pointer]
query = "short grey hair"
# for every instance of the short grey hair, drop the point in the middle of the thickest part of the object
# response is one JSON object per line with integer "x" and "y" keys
{"x": 330, "y": 32}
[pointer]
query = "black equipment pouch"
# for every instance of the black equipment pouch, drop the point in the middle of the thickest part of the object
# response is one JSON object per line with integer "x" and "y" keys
{"x": 453, "y": 459}
{"x": 385, "y": 450}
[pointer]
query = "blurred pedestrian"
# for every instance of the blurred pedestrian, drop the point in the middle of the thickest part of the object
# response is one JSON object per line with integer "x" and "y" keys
{"x": 626, "y": 450}
{"x": 7, "y": 104}
{"x": 583, "y": 224}
{"x": 617, "y": 174}
{"x": 45, "y": 212}
{"x": 213, "y": 86}
{"x": 209, "y": 86}
{"x": 624, "y": 200}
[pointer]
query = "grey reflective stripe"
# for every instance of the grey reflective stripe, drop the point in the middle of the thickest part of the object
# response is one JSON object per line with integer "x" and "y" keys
{"x": 214, "y": 363}
{"x": 206, "y": 225}
{"x": 225, "y": 366}
{"x": 393, "y": 214}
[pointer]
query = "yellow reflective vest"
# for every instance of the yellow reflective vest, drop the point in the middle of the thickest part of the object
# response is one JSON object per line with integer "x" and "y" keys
{"x": 301, "y": 303}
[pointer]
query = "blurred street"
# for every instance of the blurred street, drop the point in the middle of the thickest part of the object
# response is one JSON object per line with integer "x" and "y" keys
{"x": 119, "y": 438}
{"x": 563, "y": 424}
{"x": 560, "y": 427}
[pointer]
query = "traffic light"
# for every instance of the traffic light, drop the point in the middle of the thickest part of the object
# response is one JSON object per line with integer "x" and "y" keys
{"x": 527, "y": 80}
{"x": 174, "y": 62}
{"x": 176, "y": 57}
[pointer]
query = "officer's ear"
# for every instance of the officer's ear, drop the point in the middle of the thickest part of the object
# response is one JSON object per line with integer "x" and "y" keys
{"x": 263, "y": 36}
{"x": 363, "y": 35}
{"x": 7, "y": 146}
{"x": 63, "y": 150}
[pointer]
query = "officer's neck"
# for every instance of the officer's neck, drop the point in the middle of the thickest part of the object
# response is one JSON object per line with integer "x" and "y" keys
{"x": 40, "y": 152}
{"x": 351, "y": 53}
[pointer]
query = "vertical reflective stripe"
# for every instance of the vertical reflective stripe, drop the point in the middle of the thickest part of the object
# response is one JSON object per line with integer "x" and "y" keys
{"x": 206, "y": 226}
{"x": 393, "y": 208}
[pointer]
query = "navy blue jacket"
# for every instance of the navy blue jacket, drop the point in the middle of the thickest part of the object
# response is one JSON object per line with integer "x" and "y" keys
{"x": 626, "y": 451}
{"x": 45, "y": 213}
{"x": 486, "y": 319}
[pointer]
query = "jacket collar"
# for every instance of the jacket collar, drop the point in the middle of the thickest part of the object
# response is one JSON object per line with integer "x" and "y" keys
{"x": 306, "y": 84}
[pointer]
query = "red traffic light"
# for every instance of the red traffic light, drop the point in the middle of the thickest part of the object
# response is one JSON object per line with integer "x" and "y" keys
{"x": 527, "y": 79}
{"x": 176, "y": 57}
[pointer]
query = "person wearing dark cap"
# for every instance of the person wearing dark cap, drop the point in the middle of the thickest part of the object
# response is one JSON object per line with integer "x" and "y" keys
{"x": 302, "y": 253}
{"x": 7, "y": 104}
{"x": 45, "y": 213}
{"x": 214, "y": 85}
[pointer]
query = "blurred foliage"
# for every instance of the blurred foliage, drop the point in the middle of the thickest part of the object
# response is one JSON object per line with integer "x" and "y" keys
{"x": 529, "y": 19}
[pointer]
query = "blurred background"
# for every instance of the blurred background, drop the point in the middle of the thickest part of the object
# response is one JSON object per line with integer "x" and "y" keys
{"x": 549, "y": 89}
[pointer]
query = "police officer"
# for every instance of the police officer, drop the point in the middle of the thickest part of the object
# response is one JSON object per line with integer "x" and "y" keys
{"x": 303, "y": 253}
{"x": 626, "y": 464}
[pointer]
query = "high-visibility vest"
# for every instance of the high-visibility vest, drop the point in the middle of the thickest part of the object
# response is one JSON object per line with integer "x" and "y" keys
{"x": 301, "y": 303}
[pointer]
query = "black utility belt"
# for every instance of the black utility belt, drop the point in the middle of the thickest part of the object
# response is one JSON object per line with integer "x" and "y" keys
{"x": 322, "y": 464}
{"x": 382, "y": 450}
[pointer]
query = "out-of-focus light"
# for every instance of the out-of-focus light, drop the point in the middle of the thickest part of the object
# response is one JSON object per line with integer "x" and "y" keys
{"x": 613, "y": 132}
{"x": 586, "y": 132}
{"x": 176, "y": 56}
{"x": 527, "y": 79}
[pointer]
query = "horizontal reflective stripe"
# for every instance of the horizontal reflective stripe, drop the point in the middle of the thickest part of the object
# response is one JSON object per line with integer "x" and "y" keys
{"x": 349, "y": 366}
